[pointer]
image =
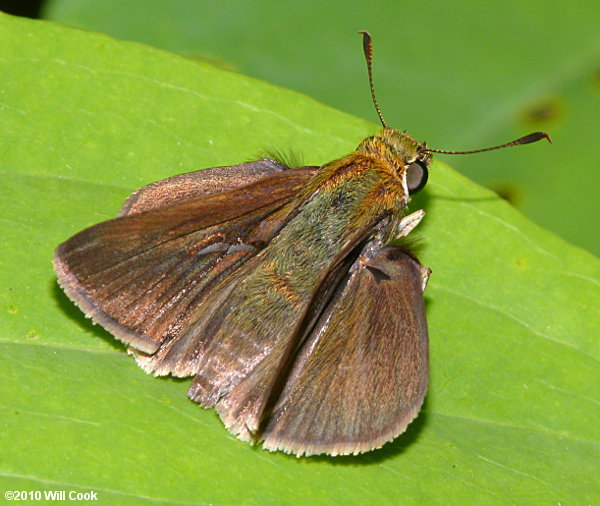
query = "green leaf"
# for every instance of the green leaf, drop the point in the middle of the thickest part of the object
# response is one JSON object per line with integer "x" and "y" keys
{"x": 511, "y": 415}
{"x": 460, "y": 76}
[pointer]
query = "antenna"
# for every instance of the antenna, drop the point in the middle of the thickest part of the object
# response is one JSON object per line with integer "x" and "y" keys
{"x": 368, "y": 49}
{"x": 527, "y": 139}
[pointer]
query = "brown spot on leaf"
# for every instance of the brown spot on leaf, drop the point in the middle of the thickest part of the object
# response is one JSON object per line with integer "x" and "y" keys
{"x": 542, "y": 112}
{"x": 508, "y": 191}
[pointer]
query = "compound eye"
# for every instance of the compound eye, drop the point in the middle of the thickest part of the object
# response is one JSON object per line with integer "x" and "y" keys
{"x": 416, "y": 177}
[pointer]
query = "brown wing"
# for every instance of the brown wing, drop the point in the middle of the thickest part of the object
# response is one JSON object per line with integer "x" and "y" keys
{"x": 141, "y": 275}
{"x": 244, "y": 334}
{"x": 361, "y": 376}
{"x": 241, "y": 334}
{"x": 197, "y": 184}
{"x": 243, "y": 407}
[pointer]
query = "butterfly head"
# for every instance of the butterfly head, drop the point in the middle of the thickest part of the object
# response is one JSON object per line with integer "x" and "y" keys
{"x": 407, "y": 155}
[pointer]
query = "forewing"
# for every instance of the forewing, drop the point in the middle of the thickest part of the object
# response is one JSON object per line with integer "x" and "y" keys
{"x": 199, "y": 183}
{"x": 361, "y": 375}
{"x": 141, "y": 276}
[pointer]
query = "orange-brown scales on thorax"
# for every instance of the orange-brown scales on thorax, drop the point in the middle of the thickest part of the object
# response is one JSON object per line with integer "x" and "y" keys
{"x": 376, "y": 170}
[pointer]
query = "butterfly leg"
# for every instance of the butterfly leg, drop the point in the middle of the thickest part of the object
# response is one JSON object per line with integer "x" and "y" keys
{"x": 409, "y": 222}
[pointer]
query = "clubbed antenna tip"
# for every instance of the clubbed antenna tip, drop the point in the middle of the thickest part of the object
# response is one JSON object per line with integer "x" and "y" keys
{"x": 527, "y": 139}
